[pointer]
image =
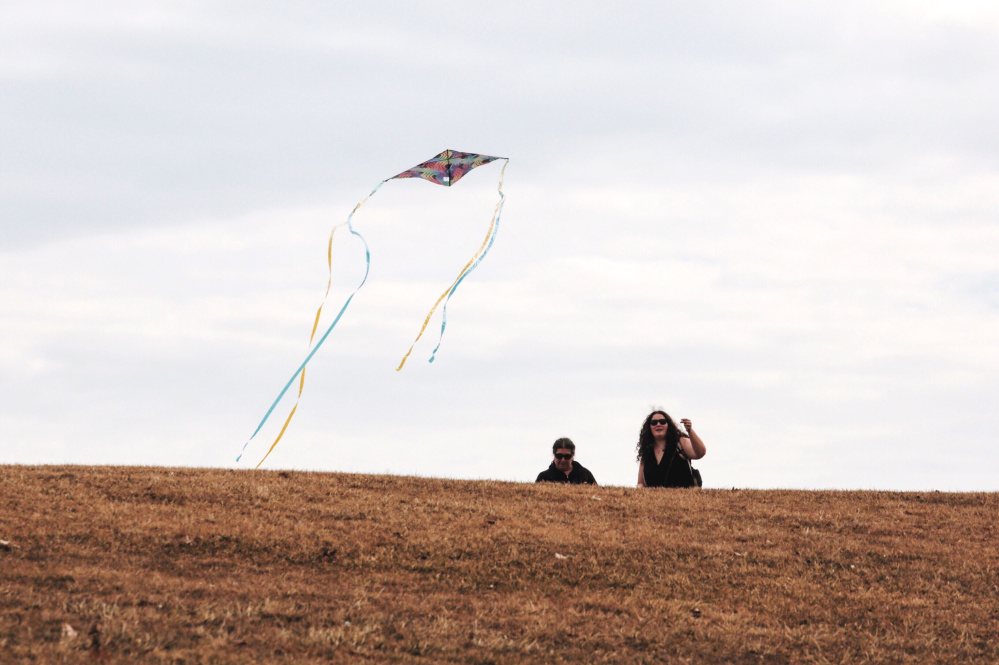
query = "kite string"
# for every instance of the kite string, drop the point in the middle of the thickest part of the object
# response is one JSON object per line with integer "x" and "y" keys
{"x": 494, "y": 228}
{"x": 468, "y": 268}
{"x": 315, "y": 325}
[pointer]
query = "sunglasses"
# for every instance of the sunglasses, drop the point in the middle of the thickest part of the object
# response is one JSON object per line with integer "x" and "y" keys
{"x": 563, "y": 455}
{"x": 657, "y": 421}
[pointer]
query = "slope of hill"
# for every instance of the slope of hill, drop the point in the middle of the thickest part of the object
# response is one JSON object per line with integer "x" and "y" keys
{"x": 155, "y": 565}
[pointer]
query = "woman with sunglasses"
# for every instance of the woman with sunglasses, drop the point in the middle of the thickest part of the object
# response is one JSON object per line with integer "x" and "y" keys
{"x": 665, "y": 451}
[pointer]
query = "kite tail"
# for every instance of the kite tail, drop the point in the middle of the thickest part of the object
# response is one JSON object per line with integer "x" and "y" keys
{"x": 315, "y": 325}
{"x": 494, "y": 225}
{"x": 487, "y": 243}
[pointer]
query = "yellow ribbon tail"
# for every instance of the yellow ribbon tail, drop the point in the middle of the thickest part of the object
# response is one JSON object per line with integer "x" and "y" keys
{"x": 315, "y": 323}
{"x": 426, "y": 321}
{"x": 273, "y": 445}
{"x": 471, "y": 262}
{"x": 433, "y": 309}
{"x": 301, "y": 386}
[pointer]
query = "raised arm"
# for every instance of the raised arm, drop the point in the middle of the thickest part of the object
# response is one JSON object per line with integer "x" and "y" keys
{"x": 692, "y": 445}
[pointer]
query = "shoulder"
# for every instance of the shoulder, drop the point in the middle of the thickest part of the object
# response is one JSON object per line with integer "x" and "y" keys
{"x": 584, "y": 474}
{"x": 545, "y": 475}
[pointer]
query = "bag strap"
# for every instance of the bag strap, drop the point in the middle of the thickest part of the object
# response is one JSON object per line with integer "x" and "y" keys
{"x": 671, "y": 460}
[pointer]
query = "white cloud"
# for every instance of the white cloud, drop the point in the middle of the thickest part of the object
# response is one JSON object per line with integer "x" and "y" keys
{"x": 779, "y": 223}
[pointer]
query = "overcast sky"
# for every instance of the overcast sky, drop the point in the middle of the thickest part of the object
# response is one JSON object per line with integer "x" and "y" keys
{"x": 778, "y": 219}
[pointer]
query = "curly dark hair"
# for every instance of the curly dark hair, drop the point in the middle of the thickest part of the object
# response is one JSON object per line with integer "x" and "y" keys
{"x": 646, "y": 448}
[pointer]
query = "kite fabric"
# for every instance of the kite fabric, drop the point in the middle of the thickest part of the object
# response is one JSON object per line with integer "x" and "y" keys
{"x": 444, "y": 169}
{"x": 447, "y": 168}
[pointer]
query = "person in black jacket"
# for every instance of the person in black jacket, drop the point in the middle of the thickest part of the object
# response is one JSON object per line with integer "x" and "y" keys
{"x": 563, "y": 469}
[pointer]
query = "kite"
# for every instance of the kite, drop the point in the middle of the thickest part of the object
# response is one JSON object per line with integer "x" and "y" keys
{"x": 444, "y": 169}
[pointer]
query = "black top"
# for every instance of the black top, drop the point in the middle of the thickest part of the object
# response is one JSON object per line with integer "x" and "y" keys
{"x": 664, "y": 474}
{"x": 578, "y": 476}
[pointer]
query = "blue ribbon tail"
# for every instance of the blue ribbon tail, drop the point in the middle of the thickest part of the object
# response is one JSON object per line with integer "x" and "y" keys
{"x": 492, "y": 238}
{"x": 301, "y": 368}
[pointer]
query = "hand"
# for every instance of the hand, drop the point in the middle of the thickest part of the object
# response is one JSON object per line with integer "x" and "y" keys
{"x": 687, "y": 425}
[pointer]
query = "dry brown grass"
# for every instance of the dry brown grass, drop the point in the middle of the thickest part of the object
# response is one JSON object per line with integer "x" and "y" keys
{"x": 160, "y": 565}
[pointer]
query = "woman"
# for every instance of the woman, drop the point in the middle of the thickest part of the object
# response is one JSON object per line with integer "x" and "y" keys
{"x": 664, "y": 451}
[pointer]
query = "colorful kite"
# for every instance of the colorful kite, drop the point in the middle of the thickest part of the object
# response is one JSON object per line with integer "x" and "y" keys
{"x": 445, "y": 169}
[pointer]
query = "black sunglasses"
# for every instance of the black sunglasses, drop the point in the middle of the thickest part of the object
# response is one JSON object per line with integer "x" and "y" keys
{"x": 563, "y": 455}
{"x": 657, "y": 421}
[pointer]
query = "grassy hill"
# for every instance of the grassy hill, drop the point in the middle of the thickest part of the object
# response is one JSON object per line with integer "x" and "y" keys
{"x": 154, "y": 565}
